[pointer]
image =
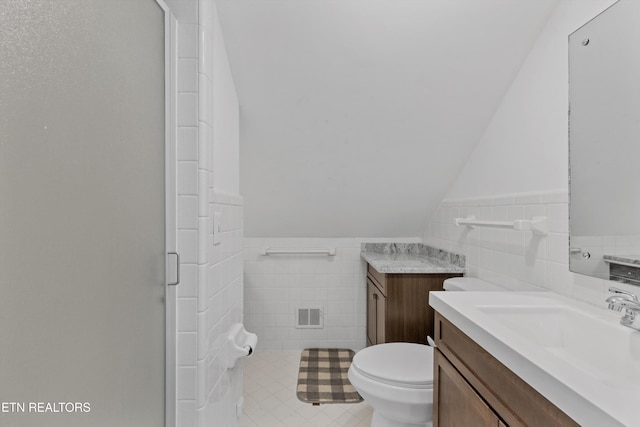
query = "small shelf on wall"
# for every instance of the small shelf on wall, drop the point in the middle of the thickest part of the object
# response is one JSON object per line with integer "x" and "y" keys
{"x": 537, "y": 225}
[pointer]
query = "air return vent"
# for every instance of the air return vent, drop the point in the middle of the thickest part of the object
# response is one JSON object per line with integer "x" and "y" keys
{"x": 309, "y": 317}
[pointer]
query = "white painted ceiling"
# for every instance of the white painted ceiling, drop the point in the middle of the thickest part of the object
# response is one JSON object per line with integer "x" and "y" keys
{"x": 357, "y": 115}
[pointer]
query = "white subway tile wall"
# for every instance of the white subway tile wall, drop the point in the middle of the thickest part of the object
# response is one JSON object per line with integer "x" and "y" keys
{"x": 276, "y": 285}
{"x": 512, "y": 258}
{"x": 211, "y": 288}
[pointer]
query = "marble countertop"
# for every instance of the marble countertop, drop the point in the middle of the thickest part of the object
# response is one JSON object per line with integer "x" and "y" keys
{"x": 394, "y": 258}
{"x": 588, "y": 371}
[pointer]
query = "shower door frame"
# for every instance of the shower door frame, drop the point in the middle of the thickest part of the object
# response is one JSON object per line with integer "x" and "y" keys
{"x": 171, "y": 126}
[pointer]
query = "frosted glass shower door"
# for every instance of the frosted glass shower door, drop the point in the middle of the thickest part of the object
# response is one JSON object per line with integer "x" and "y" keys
{"x": 82, "y": 213}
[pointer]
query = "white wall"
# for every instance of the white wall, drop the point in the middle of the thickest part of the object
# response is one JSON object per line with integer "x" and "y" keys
{"x": 226, "y": 131}
{"x": 358, "y": 114}
{"x": 525, "y": 147}
{"x": 523, "y": 157}
{"x": 211, "y": 288}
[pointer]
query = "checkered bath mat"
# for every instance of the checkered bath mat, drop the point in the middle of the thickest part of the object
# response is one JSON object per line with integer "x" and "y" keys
{"x": 322, "y": 377}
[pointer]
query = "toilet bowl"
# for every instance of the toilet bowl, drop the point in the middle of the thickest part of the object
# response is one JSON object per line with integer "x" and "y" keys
{"x": 396, "y": 379}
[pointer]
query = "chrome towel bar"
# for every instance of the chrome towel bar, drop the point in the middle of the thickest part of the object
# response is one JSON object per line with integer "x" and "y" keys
{"x": 295, "y": 251}
{"x": 537, "y": 225}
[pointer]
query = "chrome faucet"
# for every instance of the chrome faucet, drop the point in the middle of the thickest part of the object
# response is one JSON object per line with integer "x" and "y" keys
{"x": 629, "y": 302}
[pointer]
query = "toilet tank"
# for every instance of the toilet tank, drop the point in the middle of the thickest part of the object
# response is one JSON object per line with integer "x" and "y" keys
{"x": 475, "y": 284}
{"x": 470, "y": 284}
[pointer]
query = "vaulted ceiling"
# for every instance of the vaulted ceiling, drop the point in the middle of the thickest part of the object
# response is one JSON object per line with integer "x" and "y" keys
{"x": 357, "y": 115}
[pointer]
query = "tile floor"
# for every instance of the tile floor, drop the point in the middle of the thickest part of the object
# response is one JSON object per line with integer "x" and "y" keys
{"x": 270, "y": 379}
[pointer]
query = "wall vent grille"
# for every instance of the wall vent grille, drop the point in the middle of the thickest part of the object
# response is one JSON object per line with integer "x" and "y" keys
{"x": 309, "y": 317}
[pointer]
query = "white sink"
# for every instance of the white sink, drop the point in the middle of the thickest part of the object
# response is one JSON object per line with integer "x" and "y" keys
{"x": 576, "y": 355}
{"x": 578, "y": 337}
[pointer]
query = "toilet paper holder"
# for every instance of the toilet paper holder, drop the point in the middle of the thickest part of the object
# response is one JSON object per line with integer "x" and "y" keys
{"x": 240, "y": 343}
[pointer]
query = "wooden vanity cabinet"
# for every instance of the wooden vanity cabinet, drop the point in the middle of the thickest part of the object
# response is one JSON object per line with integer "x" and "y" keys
{"x": 471, "y": 387}
{"x": 398, "y": 306}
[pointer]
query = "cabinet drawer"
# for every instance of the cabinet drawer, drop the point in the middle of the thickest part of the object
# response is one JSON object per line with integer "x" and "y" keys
{"x": 379, "y": 279}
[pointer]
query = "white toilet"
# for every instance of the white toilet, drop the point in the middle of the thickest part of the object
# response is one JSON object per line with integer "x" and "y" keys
{"x": 396, "y": 379}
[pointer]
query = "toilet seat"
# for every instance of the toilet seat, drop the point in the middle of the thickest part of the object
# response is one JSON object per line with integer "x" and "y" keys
{"x": 403, "y": 365}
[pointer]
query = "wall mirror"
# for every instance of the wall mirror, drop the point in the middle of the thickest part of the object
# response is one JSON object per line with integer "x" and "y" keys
{"x": 604, "y": 145}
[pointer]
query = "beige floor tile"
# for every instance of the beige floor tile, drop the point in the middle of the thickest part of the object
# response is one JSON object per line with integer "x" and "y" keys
{"x": 270, "y": 380}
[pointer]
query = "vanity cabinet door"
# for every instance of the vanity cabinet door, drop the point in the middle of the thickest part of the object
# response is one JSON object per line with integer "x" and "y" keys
{"x": 456, "y": 403}
{"x": 381, "y": 318}
{"x": 376, "y": 314}
{"x": 372, "y": 313}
